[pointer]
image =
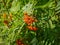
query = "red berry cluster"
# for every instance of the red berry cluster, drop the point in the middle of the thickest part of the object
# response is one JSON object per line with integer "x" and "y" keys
{"x": 29, "y": 20}
{"x": 19, "y": 42}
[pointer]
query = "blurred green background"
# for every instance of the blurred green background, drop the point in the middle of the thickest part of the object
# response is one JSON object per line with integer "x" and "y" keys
{"x": 47, "y": 12}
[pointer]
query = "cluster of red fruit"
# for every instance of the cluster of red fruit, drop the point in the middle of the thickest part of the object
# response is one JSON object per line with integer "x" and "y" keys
{"x": 29, "y": 20}
{"x": 19, "y": 42}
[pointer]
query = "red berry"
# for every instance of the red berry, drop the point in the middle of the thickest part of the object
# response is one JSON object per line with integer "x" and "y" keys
{"x": 28, "y": 19}
{"x": 32, "y": 28}
{"x": 6, "y": 22}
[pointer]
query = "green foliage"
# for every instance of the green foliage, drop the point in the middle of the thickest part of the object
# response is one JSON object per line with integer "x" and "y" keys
{"x": 47, "y": 12}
